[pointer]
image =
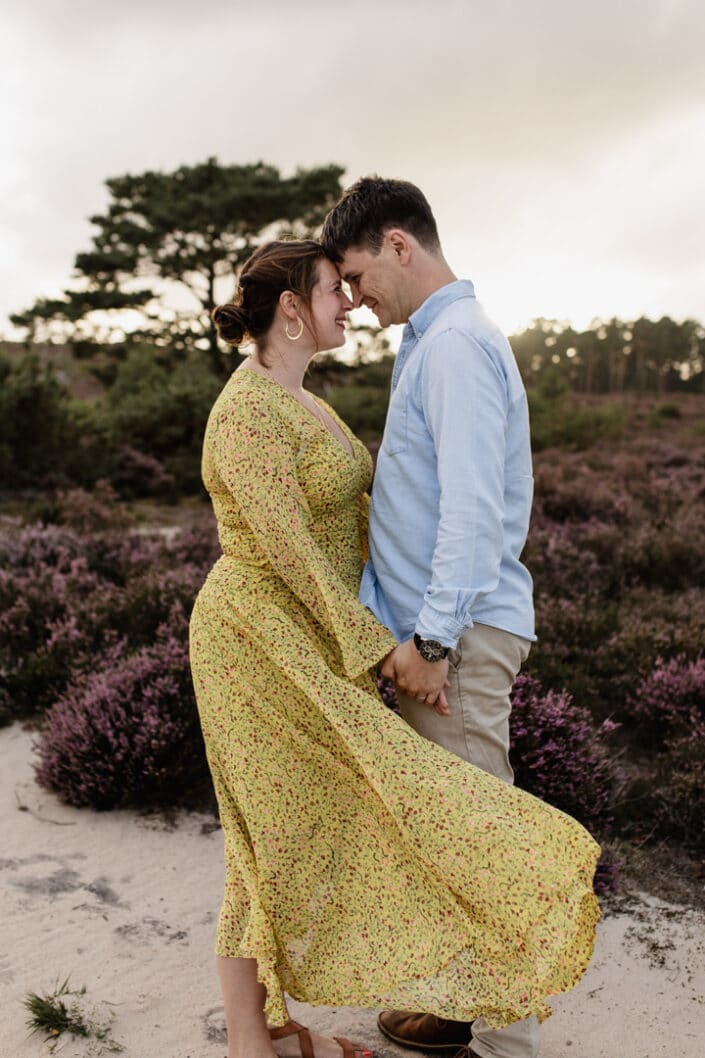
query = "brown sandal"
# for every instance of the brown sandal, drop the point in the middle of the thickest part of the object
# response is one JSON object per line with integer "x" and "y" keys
{"x": 350, "y": 1050}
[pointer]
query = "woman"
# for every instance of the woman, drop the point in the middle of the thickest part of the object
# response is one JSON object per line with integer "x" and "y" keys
{"x": 365, "y": 866}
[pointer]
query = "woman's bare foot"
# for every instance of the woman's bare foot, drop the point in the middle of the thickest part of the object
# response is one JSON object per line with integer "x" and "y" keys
{"x": 323, "y": 1047}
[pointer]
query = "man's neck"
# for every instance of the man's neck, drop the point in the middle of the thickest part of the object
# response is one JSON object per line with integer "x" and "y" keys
{"x": 431, "y": 274}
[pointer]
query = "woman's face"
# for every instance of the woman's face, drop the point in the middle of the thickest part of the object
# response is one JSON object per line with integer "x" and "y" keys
{"x": 329, "y": 305}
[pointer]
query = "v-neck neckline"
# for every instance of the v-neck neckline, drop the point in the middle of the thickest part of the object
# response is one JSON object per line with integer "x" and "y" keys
{"x": 350, "y": 454}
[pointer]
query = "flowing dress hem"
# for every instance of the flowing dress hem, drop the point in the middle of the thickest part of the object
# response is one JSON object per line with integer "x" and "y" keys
{"x": 552, "y": 982}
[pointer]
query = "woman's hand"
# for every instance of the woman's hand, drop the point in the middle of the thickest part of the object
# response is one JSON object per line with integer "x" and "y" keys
{"x": 423, "y": 680}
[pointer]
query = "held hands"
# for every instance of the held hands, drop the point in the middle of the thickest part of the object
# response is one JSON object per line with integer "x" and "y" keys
{"x": 419, "y": 679}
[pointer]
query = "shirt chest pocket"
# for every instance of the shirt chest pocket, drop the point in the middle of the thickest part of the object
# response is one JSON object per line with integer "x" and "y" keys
{"x": 396, "y": 427}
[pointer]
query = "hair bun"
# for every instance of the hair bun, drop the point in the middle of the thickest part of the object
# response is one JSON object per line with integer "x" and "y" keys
{"x": 232, "y": 323}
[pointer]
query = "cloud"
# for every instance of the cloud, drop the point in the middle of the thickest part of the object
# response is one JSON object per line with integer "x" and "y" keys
{"x": 535, "y": 129}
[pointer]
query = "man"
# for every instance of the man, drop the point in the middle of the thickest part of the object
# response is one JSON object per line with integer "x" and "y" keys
{"x": 449, "y": 513}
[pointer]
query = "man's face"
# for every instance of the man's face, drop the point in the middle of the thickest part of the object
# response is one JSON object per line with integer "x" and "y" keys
{"x": 376, "y": 280}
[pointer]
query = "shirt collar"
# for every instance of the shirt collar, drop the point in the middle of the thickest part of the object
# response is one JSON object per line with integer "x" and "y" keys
{"x": 421, "y": 320}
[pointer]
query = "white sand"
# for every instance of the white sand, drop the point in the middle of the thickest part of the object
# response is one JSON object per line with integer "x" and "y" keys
{"x": 127, "y": 906}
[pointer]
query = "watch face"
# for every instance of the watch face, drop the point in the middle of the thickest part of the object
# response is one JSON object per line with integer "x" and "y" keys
{"x": 430, "y": 649}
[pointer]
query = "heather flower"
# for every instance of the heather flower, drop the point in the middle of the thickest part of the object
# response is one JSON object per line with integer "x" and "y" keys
{"x": 66, "y": 597}
{"x": 127, "y": 733}
{"x": 387, "y": 693}
{"x": 669, "y": 703}
{"x": 559, "y": 754}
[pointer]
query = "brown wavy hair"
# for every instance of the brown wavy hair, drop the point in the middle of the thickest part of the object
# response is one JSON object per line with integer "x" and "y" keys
{"x": 273, "y": 268}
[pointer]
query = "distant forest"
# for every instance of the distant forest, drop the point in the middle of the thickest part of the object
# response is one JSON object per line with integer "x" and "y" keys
{"x": 644, "y": 356}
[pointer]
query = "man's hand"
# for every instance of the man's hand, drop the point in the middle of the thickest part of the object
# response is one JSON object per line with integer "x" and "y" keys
{"x": 423, "y": 680}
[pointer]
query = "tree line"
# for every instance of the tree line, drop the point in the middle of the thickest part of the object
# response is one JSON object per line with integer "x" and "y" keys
{"x": 614, "y": 357}
{"x": 168, "y": 246}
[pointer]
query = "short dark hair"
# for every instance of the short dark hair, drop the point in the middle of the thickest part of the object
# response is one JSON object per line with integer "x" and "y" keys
{"x": 370, "y": 208}
{"x": 276, "y": 266}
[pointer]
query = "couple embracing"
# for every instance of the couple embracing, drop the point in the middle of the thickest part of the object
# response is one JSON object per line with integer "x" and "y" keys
{"x": 373, "y": 859}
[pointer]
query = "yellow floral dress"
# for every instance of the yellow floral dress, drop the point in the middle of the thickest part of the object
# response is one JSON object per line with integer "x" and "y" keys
{"x": 365, "y": 865}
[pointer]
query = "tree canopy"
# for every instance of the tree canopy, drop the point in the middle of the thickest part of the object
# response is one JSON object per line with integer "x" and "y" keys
{"x": 614, "y": 356}
{"x": 165, "y": 242}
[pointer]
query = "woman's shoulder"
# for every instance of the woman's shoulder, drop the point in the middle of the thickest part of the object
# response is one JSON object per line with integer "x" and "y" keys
{"x": 252, "y": 406}
{"x": 247, "y": 393}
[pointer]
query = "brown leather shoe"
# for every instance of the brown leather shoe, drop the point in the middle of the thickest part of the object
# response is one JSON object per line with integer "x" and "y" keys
{"x": 425, "y": 1031}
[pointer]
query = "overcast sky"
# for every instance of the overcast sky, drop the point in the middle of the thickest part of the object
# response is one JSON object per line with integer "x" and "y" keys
{"x": 561, "y": 143}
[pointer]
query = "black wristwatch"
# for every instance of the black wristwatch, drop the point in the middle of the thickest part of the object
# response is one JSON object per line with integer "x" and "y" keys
{"x": 430, "y": 649}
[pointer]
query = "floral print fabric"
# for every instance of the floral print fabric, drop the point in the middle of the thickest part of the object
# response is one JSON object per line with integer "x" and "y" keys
{"x": 365, "y": 866}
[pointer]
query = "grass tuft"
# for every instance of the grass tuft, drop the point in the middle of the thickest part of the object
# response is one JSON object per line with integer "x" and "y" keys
{"x": 60, "y": 1012}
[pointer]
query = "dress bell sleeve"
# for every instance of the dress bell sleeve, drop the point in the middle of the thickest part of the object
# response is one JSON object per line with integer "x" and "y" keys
{"x": 254, "y": 452}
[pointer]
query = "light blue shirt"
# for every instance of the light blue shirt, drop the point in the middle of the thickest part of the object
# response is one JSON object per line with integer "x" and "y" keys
{"x": 452, "y": 492}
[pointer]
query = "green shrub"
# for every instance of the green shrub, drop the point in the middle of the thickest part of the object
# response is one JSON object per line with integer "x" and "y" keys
{"x": 663, "y": 414}
{"x": 159, "y": 414}
{"x": 557, "y": 422}
{"x": 158, "y": 410}
{"x": 678, "y": 792}
{"x": 36, "y": 429}
{"x": 363, "y": 408}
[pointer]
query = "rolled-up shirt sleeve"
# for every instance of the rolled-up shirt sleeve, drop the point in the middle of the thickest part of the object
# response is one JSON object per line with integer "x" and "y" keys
{"x": 465, "y": 404}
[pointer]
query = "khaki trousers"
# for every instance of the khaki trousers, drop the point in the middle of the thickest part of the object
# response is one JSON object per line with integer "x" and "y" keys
{"x": 481, "y": 672}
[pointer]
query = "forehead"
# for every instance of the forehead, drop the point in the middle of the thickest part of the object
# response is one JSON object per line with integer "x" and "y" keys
{"x": 355, "y": 260}
{"x": 327, "y": 272}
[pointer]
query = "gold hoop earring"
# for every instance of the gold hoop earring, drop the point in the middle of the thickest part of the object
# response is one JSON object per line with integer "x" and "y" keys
{"x": 294, "y": 337}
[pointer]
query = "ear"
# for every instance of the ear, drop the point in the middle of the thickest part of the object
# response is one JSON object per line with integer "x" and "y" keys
{"x": 287, "y": 303}
{"x": 400, "y": 243}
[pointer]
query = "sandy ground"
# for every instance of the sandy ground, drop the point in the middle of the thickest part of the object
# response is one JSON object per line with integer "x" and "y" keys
{"x": 126, "y": 906}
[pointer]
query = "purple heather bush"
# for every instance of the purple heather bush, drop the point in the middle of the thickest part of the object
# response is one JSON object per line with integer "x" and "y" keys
{"x": 142, "y": 604}
{"x": 571, "y": 489}
{"x": 570, "y": 558}
{"x": 54, "y": 620}
{"x": 667, "y": 554}
{"x": 600, "y": 647}
{"x": 87, "y": 512}
{"x": 22, "y": 546}
{"x": 617, "y": 543}
{"x": 136, "y": 473}
{"x": 669, "y": 703}
{"x": 127, "y": 733}
{"x": 66, "y": 598}
{"x": 561, "y": 756}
